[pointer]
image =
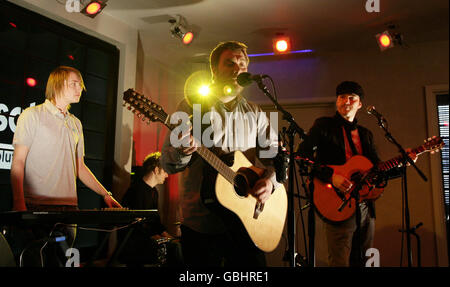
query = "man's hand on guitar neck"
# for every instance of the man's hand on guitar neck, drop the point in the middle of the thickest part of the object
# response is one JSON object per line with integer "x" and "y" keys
{"x": 262, "y": 189}
{"x": 192, "y": 146}
{"x": 411, "y": 155}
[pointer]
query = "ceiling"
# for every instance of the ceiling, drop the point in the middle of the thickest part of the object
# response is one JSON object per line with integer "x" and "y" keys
{"x": 311, "y": 24}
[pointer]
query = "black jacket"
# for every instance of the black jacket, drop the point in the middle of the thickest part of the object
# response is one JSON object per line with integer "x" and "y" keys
{"x": 325, "y": 145}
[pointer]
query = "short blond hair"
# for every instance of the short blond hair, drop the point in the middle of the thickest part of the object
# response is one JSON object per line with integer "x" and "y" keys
{"x": 56, "y": 80}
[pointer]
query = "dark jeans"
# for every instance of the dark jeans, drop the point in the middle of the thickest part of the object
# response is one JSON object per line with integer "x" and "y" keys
{"x": 344, "y": 239}
{"x": 233, "y": 249}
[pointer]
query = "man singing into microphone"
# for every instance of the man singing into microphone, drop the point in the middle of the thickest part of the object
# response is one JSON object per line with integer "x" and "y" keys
{"x": 333, "y": 141}
{"x": 206, "y": 239}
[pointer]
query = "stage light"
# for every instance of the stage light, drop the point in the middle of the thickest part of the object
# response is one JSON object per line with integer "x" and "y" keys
{"x": 181, "y": 30}
{"x": 385, "y": 40}
{"x": 93, "y": 8}
{"x": 12, "y": 24}
{"x": 187, "y": 38}
{"x": 281, "y": 45}
{"x": 31, "y": 82}
{"x": 204, "y": 90}
{"x": 197, "y": 88}
{"x": 227, "y": 90}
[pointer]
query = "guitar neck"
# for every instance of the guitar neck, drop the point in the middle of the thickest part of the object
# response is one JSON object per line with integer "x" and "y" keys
{"x": 154, "y": 112}
{"x": 396, "y": 161}
{"x": 217, "y": 164}
{"x": 209, "y": 157}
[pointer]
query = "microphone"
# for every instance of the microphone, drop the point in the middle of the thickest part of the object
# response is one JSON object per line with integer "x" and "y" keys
{"x": 281, "y": 162}
{"x": 245, "y": 79}
{"x": 371, "y": 111}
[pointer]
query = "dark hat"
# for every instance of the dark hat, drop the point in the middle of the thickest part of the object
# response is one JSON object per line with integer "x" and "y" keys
{"x": 348, "y": 87}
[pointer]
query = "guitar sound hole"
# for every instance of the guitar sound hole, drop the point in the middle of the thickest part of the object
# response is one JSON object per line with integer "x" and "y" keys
{"x": 241, "y": 185}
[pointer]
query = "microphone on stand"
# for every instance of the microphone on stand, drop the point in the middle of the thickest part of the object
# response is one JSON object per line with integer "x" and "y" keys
{"x": 281, "y": 162}
{"x": 372, "y": 111}
{"x": 245, "y": 79}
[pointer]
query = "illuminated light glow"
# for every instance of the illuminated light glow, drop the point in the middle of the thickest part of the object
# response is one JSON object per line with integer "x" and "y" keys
{"x": 204, "y": 90}
{"x": 188, "y": 37}
{"x": 31, "y": 82}
{"x": 272, "y": 54}
{"x": 71, "y": 57}
{"x": 93, "y": 8}
{"x": 329, "y": 186}
{"x": 385, "y": 40}
{"x": 196, "y": 84}
{"x": 13, "y": 25}
{"x": 281, "y": 45}
{"x": 227, "y": 90}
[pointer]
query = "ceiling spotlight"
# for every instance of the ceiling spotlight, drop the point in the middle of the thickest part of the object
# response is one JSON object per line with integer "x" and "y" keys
{"x": 390, "y": 38}
{"x": 281, "y": 44}
{"x": 385, "y": 40}
{"x": 181, "y": 30}
{"x": 93, "y": 8}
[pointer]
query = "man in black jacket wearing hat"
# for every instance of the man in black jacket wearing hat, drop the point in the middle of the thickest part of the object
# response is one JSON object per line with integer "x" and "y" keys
{"x": 333, "y": 141}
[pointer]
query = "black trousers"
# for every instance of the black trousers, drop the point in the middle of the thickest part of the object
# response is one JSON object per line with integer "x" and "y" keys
{"x": 230, "y": 249}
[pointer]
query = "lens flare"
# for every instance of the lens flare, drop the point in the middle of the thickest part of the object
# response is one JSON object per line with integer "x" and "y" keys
{"x": 227, "y": 90}
{"x": 204, "y": 90}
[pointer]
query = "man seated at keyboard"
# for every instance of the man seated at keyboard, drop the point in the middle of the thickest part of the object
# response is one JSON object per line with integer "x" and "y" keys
{"x": 149, "y": 242}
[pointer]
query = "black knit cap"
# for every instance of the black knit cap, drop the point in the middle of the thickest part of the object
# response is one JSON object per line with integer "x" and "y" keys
{"x": 348, "y": 87}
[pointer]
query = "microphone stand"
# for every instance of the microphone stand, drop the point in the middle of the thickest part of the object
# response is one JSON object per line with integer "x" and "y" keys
{"x": 383, "y": 124}
{"x": 291, "y": 132}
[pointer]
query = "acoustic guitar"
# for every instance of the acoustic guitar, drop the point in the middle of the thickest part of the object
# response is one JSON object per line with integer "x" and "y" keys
{"x": 264, "y": 223}
{"x": 336, "y": 206}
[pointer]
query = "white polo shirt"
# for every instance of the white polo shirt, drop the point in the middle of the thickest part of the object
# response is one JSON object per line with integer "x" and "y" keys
{"x": 55, "y": 141}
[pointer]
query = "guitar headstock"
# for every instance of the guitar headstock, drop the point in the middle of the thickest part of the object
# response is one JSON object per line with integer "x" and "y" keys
{"x": 433, "y": 144}
{"x": 143, "y": 107}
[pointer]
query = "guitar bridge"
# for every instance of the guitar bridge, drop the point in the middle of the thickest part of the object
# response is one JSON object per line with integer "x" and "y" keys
{"x": 259, "y": 207}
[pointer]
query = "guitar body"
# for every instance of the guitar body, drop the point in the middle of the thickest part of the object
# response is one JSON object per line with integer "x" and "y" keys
{"x": 328, "y": 200}
{"x": 265, "y": 231}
